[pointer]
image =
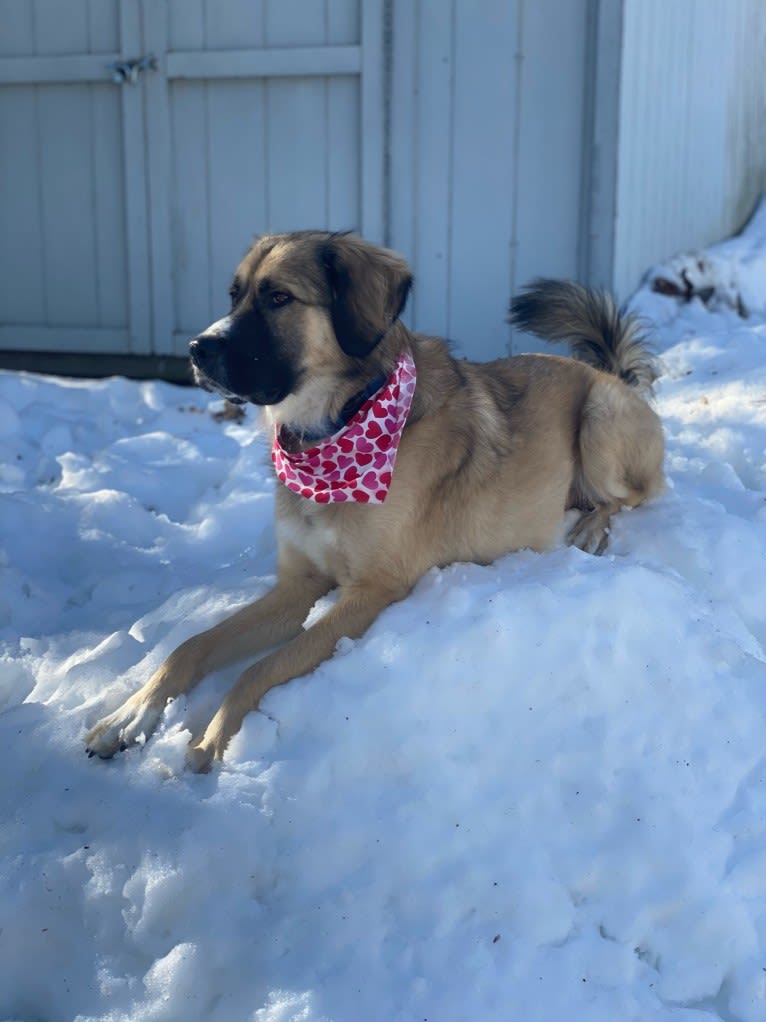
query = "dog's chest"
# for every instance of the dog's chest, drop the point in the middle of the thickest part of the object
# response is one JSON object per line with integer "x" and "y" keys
{"x": 310, "y": 529}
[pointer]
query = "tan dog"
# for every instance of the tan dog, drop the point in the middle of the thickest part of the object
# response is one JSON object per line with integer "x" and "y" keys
{"x": 490, "y": 459}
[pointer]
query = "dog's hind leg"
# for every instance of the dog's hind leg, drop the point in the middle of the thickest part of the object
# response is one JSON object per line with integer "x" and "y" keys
{"x": 591, "y": 530}
{"x": 620, "y": 461}
{"x": 275, "y": 618}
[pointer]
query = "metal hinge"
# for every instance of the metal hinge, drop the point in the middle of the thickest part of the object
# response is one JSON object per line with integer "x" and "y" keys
{"x": 126, "y": 72}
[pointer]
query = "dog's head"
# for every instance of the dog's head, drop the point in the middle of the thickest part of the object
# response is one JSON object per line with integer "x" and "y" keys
{"x": 308, "y": 310}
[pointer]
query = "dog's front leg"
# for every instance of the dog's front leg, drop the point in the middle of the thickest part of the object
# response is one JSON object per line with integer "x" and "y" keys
{"x": 275, "y": 618}
{"x": 354, "y": 612}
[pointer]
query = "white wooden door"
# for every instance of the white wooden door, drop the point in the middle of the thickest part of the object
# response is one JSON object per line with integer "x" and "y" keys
{"x": 73, "y": 239}
{"x": 125, "y": 207}
{"x": 273, "y": 112}
{"x": 488, "y": 148}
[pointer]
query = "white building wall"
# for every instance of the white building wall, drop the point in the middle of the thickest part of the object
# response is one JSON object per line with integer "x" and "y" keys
{"x": 503, "y": 139}
{"x": 691, "y": 159}
{"x": 487, "y": 128}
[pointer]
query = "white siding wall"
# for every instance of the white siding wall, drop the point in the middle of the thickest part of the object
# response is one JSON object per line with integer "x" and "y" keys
{"x": 577, "y": 138}
{"x": 692, "y": 124}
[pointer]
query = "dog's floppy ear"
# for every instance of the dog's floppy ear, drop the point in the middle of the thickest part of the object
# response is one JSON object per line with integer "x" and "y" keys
{"x": 369, "y": 287}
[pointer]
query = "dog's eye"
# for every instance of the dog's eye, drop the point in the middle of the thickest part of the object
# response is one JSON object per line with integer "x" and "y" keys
{"x": 235, "y": 293}
{"x": 277, "y": 298}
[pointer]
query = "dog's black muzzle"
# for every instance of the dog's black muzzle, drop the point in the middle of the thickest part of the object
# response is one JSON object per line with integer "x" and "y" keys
{"x": 208, "y": 365}
{"x": 206, "y": 352}
{"x": 224, "y": 361}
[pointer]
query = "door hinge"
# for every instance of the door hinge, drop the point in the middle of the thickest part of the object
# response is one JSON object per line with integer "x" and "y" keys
{"x": 127, "y": 72}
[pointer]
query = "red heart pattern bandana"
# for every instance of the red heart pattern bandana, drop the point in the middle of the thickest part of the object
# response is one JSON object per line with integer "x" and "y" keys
{"x": 357, "y": 462}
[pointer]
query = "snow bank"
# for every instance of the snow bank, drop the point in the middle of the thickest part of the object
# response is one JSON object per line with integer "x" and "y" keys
{"x": 532, "y": 791}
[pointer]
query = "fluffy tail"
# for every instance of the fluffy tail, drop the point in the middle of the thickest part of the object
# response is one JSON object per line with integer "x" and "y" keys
{"x": 597, "y": 331}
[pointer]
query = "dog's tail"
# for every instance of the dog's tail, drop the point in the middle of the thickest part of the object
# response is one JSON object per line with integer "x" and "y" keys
{"x": 597, "y": 331}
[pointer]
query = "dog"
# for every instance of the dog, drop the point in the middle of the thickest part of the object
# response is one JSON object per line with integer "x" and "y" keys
{"x": 394, "y": 457}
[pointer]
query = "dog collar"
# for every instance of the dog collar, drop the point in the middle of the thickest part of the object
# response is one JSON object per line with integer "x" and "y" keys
{"x": 356, "y": 463}
{"x": 332, "y": 426}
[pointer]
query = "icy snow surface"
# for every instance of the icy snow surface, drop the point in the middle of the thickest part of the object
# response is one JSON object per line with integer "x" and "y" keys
{"x": 533, "y": 791}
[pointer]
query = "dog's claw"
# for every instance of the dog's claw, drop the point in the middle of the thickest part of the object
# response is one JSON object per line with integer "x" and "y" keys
{"x": 122, "y": 729}
{"x": 92, "y": 752}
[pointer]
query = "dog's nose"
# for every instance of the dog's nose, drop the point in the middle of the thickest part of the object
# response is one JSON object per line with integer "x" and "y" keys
{"x": 201, "y": 348}
{"x": 195, "y": 350}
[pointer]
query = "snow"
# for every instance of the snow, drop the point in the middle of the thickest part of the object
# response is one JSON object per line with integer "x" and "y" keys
{"x": 535, "y": 790}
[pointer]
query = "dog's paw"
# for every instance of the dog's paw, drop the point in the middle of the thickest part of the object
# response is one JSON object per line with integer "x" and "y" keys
{"x": 200, "y": 756}
{"x": 590, "y": 533}
{"x": 212, "y": 743}
{"x": 131, "y": 724}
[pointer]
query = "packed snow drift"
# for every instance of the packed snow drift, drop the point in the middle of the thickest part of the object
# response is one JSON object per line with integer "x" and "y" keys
{"x": 532, "y": 791}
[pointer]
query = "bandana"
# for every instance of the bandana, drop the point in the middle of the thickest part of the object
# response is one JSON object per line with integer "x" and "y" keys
{"x": 357, "y": 462}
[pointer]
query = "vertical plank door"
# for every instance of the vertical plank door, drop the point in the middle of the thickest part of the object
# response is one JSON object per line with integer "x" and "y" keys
{"x": 74, "y": 272}
{"x": 264, "y": 117}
